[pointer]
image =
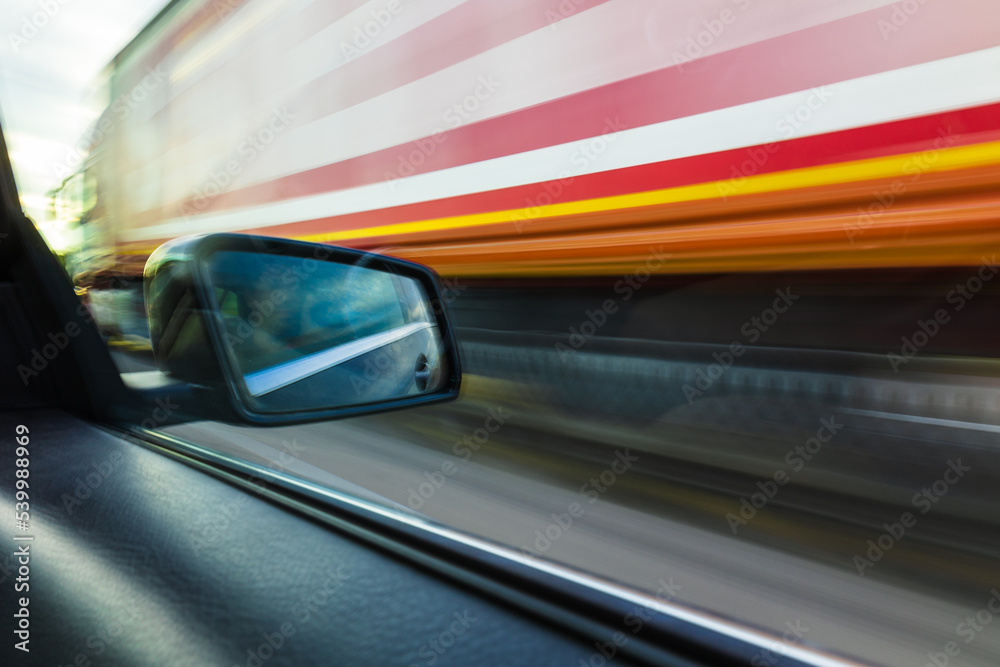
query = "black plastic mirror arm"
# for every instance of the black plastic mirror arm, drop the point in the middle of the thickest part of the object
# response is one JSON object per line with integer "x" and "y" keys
{"x": 177, "y": 403}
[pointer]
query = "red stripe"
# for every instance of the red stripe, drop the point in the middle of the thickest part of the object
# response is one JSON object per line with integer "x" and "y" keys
{"x": 244, "y": 60}
{"x": 960, "y": 128}
{"x": 469, "y": 29}
{"x": 758, "y": 71}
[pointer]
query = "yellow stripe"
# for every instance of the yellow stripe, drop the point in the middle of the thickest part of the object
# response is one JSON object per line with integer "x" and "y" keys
{"x": 946, "y": 159}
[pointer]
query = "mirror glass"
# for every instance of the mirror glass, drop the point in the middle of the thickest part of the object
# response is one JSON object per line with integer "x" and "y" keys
{"x": 307, "y": 334}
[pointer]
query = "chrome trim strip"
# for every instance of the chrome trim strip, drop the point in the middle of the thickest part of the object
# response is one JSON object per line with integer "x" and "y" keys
{"x": 406, "y": 516}
{"x": 282, "y": 375}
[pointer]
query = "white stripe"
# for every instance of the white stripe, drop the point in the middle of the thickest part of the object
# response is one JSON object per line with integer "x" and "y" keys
{"x": 276, "y": 79}
{"x": 952, "y": 83}
{"x": 586, "y": 51}
{"x": 209, "y": 54}
{"x": 927, "y": 421}
{"x": 609, "y": 43}
{"x": 315, "y": 57}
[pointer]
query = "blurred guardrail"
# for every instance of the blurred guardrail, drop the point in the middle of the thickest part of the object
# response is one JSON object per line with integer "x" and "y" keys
{"x": 901, "y": 429}
{"x": 644, "y": 379}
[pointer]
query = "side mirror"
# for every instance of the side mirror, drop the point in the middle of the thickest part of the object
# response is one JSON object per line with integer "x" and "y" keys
{"x": 295, "y": 332}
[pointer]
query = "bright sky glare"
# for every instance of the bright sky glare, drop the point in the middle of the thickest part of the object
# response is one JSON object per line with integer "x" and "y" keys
{"x": 51, "y": 55}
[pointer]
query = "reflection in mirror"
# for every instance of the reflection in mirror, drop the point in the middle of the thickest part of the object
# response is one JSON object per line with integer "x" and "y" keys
{"x": 308, "y": 334}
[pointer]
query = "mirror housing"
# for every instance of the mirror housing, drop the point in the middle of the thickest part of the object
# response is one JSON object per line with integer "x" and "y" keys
{"x": 292, "y": 332}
